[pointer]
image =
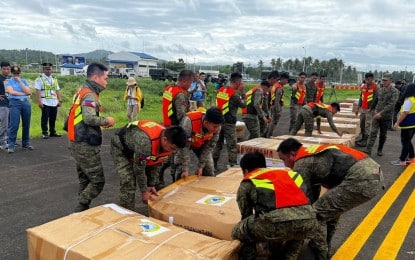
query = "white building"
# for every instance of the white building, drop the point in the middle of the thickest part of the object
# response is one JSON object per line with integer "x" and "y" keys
{"x": 140, "y": 62}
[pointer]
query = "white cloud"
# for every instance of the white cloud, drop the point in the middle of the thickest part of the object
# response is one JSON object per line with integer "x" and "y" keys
{"x": 365, "y": 33}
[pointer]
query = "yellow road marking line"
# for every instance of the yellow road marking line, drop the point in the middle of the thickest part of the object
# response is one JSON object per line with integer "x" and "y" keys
{"x": 393, "y": 241}
{"x": 358, "y": 238}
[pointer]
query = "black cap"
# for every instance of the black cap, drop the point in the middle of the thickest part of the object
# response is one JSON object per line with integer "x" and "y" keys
{"x": 15, "y": 70}
{"x": 47, "y": 64}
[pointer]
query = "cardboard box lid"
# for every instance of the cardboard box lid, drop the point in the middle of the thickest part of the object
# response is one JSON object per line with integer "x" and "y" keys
{"x": 111, "y": 232}
{"x": 315, "y": 139}
{"x": 266, "y": 146}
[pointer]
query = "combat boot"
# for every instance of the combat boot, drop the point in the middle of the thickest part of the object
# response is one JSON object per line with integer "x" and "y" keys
{"x": 362, "y": 142}
{"x": 81, "y": 207}
{"x": 380, "y": 147}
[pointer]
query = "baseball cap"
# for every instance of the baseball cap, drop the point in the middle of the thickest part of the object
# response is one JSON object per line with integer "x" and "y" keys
{"x": 387, "y": 76}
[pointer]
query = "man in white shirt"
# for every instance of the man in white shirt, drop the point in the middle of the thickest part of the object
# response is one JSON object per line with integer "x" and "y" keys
{"x": 49, "y": 99}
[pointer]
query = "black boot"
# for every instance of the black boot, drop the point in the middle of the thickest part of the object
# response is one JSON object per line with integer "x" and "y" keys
{"x": 363, "y": 142}
{"x": 81, "y": 207}
{"x": 380, "y": 147}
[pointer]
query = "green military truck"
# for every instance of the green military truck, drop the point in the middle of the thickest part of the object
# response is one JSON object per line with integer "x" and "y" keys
{"x": 163, "y": 74}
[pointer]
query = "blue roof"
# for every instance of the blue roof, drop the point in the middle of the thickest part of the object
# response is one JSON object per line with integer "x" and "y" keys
{"x": 143, "y": 55}
{"x": 72, "y": 66}
{"x": 124, "y": 61}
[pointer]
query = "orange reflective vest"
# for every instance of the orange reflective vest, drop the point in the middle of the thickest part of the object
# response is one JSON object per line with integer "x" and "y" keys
{"x": 198, "y": 137}
{"x": 274, "y": 89}
{"x": 77, "y": 129}
{"x": 318, "y": 148}
{"x": 222, "y": 98}
{"x": 167, "y": 104}
{"x": 300, "y": 93}
{"x": 277, "y": 188}
{"x": 320, "y": 90}
{"x": 250, "y": 109}
{"x": 153, "y": 131}
{"x": 367, "y": 95}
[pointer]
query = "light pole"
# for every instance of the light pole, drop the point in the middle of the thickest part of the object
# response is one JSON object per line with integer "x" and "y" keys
{"x": 305, "y": 55}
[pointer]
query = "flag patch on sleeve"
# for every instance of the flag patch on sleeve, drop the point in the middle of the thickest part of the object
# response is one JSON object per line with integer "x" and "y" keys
{"x": 89, "y": 103}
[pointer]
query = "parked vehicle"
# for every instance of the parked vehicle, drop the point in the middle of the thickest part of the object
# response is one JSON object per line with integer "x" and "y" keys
{"x": 163, "y": 74}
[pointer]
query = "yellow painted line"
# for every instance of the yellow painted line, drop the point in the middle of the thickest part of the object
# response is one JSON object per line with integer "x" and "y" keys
{"x": 396, "y": 236}
{"x": 358, "y": 238}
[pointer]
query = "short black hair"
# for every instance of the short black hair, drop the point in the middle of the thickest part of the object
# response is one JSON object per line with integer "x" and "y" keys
{"x": 410, "y": 91}
{"x": 273, "y": 74}
{"x": 336, "y": 106}
{"x": 252, "y": 161}
{"x": 95, "y": 68}
{"x": 176, "y": 135}
{"x": 265, "y": 83}
{"x": 289, "y": 145}
{"x": 302, "y": 73}
{"x": 184, "y": 74}
{"x": 214, "y": 115}
{"x": 369, "y": 75}
{"x": 4, "y": 64}
{"x": 314, "y": 74}
{"x": 284, "y": 75}
{"x": 236, "y": 76}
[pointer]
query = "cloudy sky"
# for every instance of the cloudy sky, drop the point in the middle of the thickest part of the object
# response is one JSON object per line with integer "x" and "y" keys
{"x": 368, "y": 34}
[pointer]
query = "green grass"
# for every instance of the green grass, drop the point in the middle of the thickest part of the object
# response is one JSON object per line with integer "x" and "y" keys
{"x": 115, "y": 106}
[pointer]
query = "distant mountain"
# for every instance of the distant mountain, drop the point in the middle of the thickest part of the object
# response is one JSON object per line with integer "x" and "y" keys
{"x": 97, "y": 55}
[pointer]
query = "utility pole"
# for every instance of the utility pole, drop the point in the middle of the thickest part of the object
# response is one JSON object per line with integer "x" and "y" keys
{"x": 305, "y": 55}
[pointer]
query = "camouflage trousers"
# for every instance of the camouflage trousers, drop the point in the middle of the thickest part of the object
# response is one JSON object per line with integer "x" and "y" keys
{"x": 294, "y": 111}
{"x": 176, "y": 168}
{"x": 252, "y": 124}
{"x": 275, "y": 117}
{"x": 304, "y": 117}
{"x": 365, "y": 123}
{"x": 362, "y": 183}
{"x": 89, "y": 170}
{"x": 129, "y": 175}
{"x": 228, "y": 133}
{"x": 381, "y": 126}
{"x": 285, "y": 237}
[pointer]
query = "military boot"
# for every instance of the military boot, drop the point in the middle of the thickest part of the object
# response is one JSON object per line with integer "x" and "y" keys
{"x": 380, "y": 146}
{"x": 81, "y": 207}
{"x": 362, "y": 142}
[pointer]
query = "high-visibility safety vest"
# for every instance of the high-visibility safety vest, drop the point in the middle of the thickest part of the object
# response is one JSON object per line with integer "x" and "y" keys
{"x": 344, "y": 158}
{"x": 274, "y": 89}
{"x": 46, "y": 88}
{"x": 153, "y": 131}
{"x": 409, "y": 121}
{"x": 167, "y": 104}
{"x": 222, "y": 98}
{"x": 250, "y": 109}
{"x": 198, "y": 137}
{"x": 77, "y": 129}
{"x": 300, "y": 94}
{"x": 315, "y": 105}
{"x": 320, "y": 90}
{"x": 367, "y": 94}
{"x": 277, "y": 188}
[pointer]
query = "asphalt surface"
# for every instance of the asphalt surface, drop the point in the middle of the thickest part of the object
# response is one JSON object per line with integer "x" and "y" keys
{"x": 41, "y": 185}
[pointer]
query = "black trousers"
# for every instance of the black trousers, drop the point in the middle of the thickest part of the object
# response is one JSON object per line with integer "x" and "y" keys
{"x": 48, "y": 115}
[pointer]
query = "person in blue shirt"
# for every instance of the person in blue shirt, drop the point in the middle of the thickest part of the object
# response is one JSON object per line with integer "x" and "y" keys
{"x": 198, "y": 89}
{"x": 19, "y": 106}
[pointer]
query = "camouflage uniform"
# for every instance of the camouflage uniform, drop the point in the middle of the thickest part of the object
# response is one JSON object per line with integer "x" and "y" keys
{"x": 362, "y": 181}
{"x": 384, "y": 103}
{"x": 228, "y": 130}
{"x": 87, "y": 156}
{"x": 252, "y": 118}
{"x": 307, "y": 115}
{"x": 204, "y": 154}
{"x": 276, "y": 110}
{"x": 294, "y": 109}
{"x": 132, "y": 167}
{"x": 365, "y": 118}
{"x": 285, "y": 228}
{"x": 311, "y": 93}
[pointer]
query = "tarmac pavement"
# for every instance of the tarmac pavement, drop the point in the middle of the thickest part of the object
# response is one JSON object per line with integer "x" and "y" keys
{"x": 41, "y": 185}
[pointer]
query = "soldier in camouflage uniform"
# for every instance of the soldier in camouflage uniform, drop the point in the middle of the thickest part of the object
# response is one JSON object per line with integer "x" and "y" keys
{"x": 310, "y": 111}
{"x": 138, "y": 150}
{"x": 229, "y": 100}
{"x": 84, "y": 133}
{"x": 350, "y": 176}
{"x": 311, "y": 92}
{"x": 277, "y": 100}
{"x": 203, "y": 130}
{"x": 382, "y": 109}
{"x": 270, "y": 217}
{"x": 298, "y": 95}
{"x": 254, "y": 112}
{"x": 175, "y": 105}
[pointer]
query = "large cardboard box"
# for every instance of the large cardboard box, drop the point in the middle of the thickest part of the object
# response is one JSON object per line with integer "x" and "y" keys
{"x": 346, "y": 114}
{"x": 111, "y": 232}
{"x": 330, "y": 134}
{"x": 318, "y": 140}
{"x": 202, "y": 204}
{"x": 266, "y": 146}
{"x": 353, "y": 129}
{"x": 343, "y": 120}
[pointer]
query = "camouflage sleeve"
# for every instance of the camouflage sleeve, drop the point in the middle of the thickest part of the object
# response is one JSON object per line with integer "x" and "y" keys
{"x": 329, "y": 116}
{"x": 142, "y": 149}
{"x": 246, "y": 198}
{"x": 237, "y": 101}
{"x": 90, "y": 105}
{"x": 390, "y": 105}
{"x": 278, "y": 95}
{"x": 207, "y": 149}
{"x": 180, "y": 106}
{"x": 182, "y": 157}
{"x": 258, "y": 103}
